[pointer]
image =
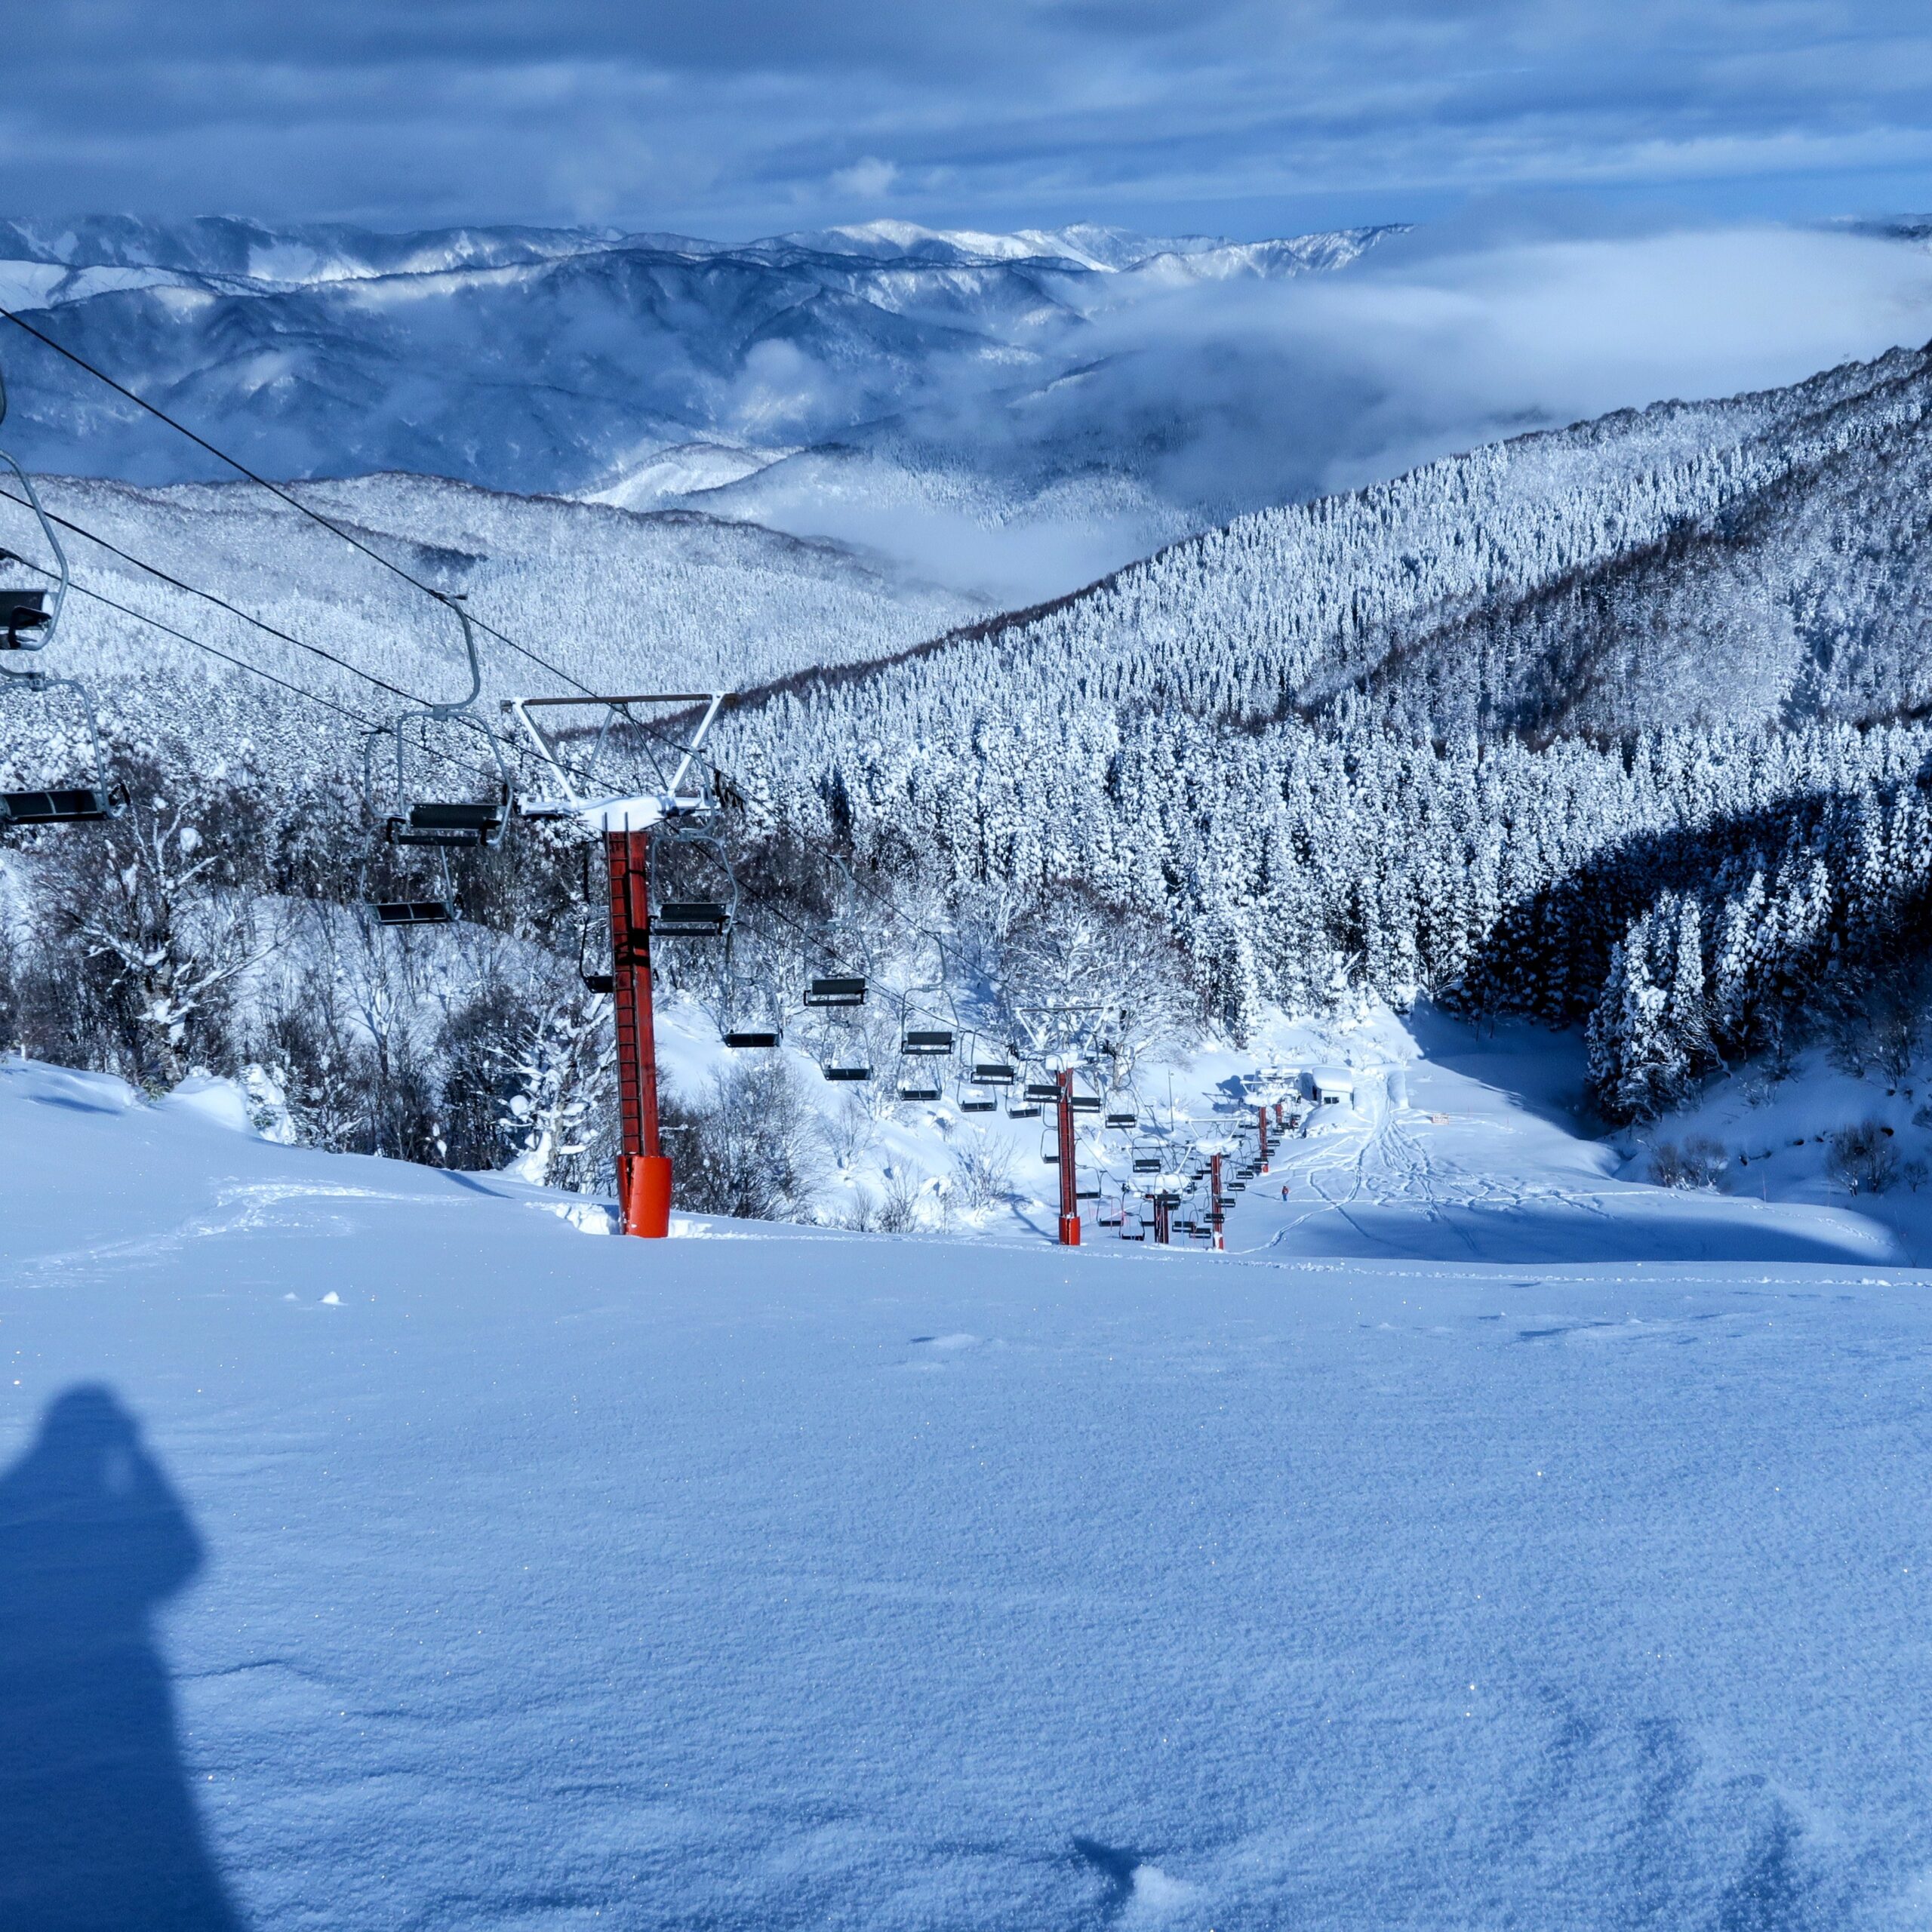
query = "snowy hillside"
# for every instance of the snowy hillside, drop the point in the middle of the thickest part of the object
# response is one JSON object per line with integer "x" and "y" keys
{"x": 659, "y": 600}
{"x": 379, "y": 1548}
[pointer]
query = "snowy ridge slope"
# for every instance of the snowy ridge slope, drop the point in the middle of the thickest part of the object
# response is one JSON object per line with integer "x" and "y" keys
{"x": 494, "y": 1574}
{"x": 646, "y": 601}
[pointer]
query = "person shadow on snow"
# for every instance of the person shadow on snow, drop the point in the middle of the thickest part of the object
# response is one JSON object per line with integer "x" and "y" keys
{"x": 98, "y": 1827}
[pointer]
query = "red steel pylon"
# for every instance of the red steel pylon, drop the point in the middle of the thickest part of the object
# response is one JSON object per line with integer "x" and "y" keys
{"x": 1069, "y": 1199}
{"x": 644, "y": 1169}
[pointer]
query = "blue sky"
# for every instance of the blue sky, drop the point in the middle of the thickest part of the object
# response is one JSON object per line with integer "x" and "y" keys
{"x": 741, "y": 117}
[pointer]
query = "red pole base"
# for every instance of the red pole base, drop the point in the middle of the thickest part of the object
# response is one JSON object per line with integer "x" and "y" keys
{"x": 644, "y": 1194}
{"x": 1069, "y": 1230}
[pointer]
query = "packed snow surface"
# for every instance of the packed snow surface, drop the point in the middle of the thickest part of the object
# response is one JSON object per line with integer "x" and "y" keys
{"x": 380, "y": 1550}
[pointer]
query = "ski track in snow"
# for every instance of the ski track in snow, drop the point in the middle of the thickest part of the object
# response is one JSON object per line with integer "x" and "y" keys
{"x": 818, "y": 1580}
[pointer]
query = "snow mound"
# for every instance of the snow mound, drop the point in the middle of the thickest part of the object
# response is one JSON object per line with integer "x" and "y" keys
{"x": 509, "y": 1576}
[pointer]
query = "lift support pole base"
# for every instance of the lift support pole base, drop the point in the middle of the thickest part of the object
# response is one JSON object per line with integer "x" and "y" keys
{"x": 645, "y": 1195}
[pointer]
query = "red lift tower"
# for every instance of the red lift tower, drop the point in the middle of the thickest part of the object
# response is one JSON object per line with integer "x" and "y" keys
{"x": 1069, "y": 1198}
{"x": 626, "y": 821}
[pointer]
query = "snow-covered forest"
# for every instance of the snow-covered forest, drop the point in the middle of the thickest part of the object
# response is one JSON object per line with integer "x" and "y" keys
{"x": 1620, "y": 726}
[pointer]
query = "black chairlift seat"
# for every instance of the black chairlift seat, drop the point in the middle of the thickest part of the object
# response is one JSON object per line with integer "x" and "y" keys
{"x": 1042, "y": 1090}
{"x": 1237, "y": 1187}
{"x": 836, "y": 991}
{"x": 751, "y": 1036}
{"x": 20, "y": 611}
{"x": 1086, "y": 1103}
{"x": 1146, "y": 1164}
{"x": 85, "y": 805}
{"x": 600, "y": 982}
{"x": 458, "y": 822}
{"x": 1123, "y": 1117}
{"x": 689, "y": 918}
{"x": 1022, "y": 1110}
{"x": 1086, "y": 1190}
{"x": 414, "y": 913}
{"x": 848, "y": 1073}
{"x": 982, "y": 1103}
{"x": 992, "y": 1073}
{"x": 933, "y": 1040}
{"x": 915, "y": 1088}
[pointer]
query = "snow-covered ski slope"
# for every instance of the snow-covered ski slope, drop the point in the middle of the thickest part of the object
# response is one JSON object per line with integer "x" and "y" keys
{"x": 465, "y": 1569}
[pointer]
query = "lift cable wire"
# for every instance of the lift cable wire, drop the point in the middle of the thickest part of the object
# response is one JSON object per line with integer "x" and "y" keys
{"x": 286, "y": 495}
{"x": 428, "y": 590}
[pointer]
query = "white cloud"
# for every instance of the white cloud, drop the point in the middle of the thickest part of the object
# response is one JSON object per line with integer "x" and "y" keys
{"x": 868, "y": 179}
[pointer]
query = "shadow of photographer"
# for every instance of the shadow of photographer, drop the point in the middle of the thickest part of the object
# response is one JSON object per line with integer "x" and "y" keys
{"x": 98, "y": 1827}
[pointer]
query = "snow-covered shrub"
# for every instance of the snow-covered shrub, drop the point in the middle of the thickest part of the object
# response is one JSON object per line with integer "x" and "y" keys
{"x": 899, "y": 1209}
{"x": 982, "y": 1170}
{"x": 1863, "y": 1157}
{"x": 746, "y": 1148}
{"x": 1697, "y": 1162}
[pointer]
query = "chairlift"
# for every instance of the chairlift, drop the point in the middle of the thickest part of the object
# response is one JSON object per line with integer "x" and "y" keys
{"x": 1147, "y": 1164}
{"x": 992, "y": 1073}
{"x": 930, "y": 1042}
{"x": 977, "y": 1100}
{"x": 919, "y": 1085}
{"x": 1050, "y": 1146}
{"x": 747, "y": 1022}
{"x": 29, "y": 625}
{"x": 1087, "y": 1190}
{"x": 697, "y": 918}
{"x": 1022, "y": 1110}
{"x": 432, "y": 908}
{"x": 1042, "y": 1090}
{"x": 1121, "y": 1116}
{"x": 410, "y": 820}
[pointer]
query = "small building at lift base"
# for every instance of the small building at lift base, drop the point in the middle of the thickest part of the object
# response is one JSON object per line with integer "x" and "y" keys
{"x": 1331, "y": 1086}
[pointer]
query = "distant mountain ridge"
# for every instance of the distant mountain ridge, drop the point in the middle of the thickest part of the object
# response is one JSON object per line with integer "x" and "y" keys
{"x": 922, "y": 371}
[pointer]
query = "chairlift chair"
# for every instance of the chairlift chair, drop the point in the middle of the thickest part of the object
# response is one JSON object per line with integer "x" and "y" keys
{"x": 930, "y": 1042}
{"x": 916, "y": 1084}
{"x": 1022, "y": 1109}
{"x": 838, "y": 989}
{"x": 1147, "y": 1164}
{"x": 744, "y": 1038}
{"x": 28, "y": 624}
{"x": 1121, "y": 1116}
{"x": 424, "y": 912}
{"x": 689, "y": 918}
{"x": 411, "y": 819}
{"x": 708, "y": 918}
{"x": 977, "y": 1100}
{"x": 992, "y": 1073}
{"x": 1042, "y": 1090}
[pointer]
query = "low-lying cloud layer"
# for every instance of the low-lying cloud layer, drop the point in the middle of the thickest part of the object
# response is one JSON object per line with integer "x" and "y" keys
{"x": 1227, "y": 396}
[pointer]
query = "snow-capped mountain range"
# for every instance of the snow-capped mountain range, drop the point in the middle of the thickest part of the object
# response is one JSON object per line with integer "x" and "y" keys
{"x": 902, "y": 370}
